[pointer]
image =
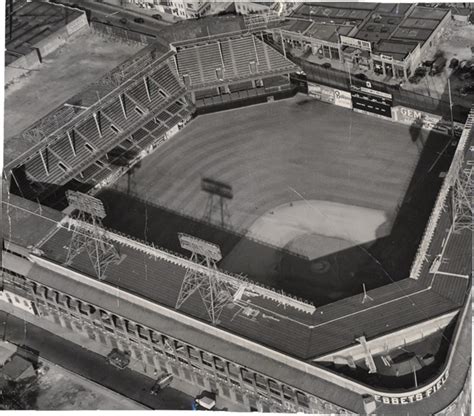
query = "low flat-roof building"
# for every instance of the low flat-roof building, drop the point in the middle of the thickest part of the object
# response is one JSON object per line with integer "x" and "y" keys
{"x": 35, "y": 29}
{"x": 389, "y": 39}
{"x": 17, "y": 368}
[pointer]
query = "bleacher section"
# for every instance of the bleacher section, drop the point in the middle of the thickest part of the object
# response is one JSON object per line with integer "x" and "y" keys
{"x": 140, "y": 101}
{"x": 73, "y": 151}
{"x": 228, "y": 60}
{"x": 118, "y": 75}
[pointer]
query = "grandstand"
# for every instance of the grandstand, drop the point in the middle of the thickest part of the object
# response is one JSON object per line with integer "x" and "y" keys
{"x": 219, "y": 65}
{"x": 132, "y": 116}
{"x": 141, "y": 100}
{"x": 268, "y": 350}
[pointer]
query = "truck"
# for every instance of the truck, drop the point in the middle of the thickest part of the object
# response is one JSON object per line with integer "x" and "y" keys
{"x": 438, "y": 65}
{"x": 205, "y": 401}
{"x": 164, "y": 380}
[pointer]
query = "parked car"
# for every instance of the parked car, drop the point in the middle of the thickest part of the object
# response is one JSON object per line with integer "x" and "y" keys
{"x": 428, "y": 63}
{"x": 421, "y": 71}
{"x": 438, "y": 65}
{"x": 205, "y": 401}
{"x": 139, "y": 20}
{"x": 161, "y": 382}
{"x": 119, "y": 359}
{"x": 454, "y": 63}
{"x": 326, "y": 65}
{"x": 157, "y": 16}
{"x": 466, "y": 65}
{"x": 465, "y": 75}
{"x": 361, "y": 76}
{"x": 467, "y": 90}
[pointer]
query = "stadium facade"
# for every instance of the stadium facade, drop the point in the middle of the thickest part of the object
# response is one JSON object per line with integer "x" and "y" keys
{"x": 273, "y": 357}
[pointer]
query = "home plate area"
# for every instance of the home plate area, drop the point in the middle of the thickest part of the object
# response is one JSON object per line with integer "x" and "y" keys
{"x": 311, "y": 248}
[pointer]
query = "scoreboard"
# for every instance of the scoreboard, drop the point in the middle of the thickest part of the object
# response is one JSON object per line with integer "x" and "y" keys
{"x": 367, "y": 100}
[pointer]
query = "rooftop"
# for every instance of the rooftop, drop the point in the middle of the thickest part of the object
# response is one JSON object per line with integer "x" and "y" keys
{"x": 32, "y": 22}
{"x": 17, "y": 367}
{"x": 377, "y": 23}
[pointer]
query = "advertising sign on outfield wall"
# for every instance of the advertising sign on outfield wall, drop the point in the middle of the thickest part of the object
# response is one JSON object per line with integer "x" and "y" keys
{"x": 321, "y": 92}
{"x": 330, "y": 95}
{"x": 426, "y": 121}
{"x": 342, "y": 98}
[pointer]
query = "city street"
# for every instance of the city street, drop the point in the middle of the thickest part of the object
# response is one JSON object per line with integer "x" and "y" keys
{"x": 113, "y": 14}
{"x": 90, "y": 365}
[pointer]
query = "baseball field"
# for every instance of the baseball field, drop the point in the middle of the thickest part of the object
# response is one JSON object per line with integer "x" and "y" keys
{"x": 313, "y": 187}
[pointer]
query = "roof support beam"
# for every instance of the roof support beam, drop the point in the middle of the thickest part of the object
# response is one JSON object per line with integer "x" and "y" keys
{"x": 122, "y": 104}
{"x": 45, "y": 165}
{"x": 71, "y": 142}
{"x": 96, "y": 119}
{"x": 145, "y": 81}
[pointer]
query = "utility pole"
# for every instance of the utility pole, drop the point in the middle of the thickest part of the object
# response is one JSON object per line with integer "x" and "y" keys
{"x": 451, "y": 103}
{"x": 10, "y": 20}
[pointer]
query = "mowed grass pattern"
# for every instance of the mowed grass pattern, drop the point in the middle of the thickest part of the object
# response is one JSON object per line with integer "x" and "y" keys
{"x": 280, "y": 152}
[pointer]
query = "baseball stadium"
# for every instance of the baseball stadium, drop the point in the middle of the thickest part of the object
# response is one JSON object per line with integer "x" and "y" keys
{"x": 210, "y": 216}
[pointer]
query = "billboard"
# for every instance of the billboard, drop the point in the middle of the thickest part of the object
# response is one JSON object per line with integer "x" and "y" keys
{"x": 343, "y": 98}
{"x": 356, "y": 43}
{"x": 330, "y": 95}
{"x": 426, "y": 121}
{"x": 321, "y": 92}
{"x": 201, "y": 247}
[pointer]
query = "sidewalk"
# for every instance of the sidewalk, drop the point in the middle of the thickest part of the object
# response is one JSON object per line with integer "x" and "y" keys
{"x": 61, "y": 389}
{"x": 85, "y": 358}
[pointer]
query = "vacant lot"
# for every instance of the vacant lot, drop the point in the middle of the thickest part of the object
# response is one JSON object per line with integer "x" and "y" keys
{"x": 62, "y": 390}
{"x": 63, "y": 74}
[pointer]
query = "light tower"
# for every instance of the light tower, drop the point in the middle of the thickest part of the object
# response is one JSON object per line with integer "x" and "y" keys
{"x": 219, "y": 193}
{"x": 214, "y": 292}
{"x": 462, "y": 198}
{"x": 88, "y": 233}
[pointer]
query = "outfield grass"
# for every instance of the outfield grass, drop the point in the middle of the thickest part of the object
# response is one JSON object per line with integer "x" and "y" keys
{"x": 277, "y": 153}
{"x": 281, "y": 153}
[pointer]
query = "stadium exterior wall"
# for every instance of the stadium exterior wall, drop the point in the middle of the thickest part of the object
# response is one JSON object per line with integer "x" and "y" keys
{"x": 309, "y": 400}
{"x": 396, "y": 339}
{"x": 241, "y": 385}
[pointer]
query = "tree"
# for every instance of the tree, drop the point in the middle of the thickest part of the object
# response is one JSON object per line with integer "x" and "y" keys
{"x": 18, "y": 395}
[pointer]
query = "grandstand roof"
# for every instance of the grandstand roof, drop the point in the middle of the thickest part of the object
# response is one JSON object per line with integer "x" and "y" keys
{"x": 142, "y": 108}
{"x": 31, "y": 22}
{"x": 335, "y": 326}
{"x": 323, "y": 387}
{"x": 208, "y": 62}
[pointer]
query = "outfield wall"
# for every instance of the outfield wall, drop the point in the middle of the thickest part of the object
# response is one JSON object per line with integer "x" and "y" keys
{"x": 399, "y": 114}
